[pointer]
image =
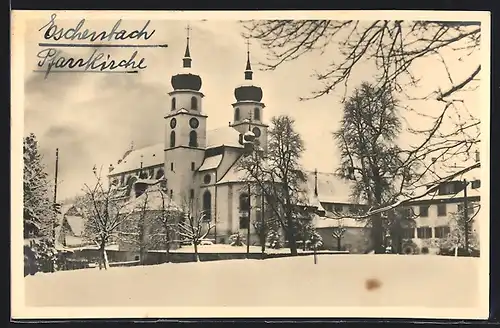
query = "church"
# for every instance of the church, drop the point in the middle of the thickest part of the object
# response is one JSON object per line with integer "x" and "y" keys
{"x": 199, "y": 167}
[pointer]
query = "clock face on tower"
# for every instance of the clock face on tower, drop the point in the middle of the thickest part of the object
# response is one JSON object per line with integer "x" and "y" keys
{"x": 194, "y": 123}
{"x": 173, "y": 123}
{"x": 256, "y": 131}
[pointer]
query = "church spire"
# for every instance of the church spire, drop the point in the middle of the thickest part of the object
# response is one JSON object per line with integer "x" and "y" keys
{"x": 186, "y": 61}
{"x": 248, "y": 69}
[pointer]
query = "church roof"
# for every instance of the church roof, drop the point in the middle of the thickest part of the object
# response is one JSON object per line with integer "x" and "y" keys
{"x": 331, "y": 188}
{"x": 210, "y": 163}
{"x": 151, "y": 156}
{"x": 225, "y": 136}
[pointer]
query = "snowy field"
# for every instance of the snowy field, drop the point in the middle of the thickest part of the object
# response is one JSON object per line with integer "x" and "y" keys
{"x": 337, "y": 280}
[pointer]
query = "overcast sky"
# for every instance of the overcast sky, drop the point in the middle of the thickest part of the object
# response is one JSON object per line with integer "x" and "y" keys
{"x": 93, "y": 118}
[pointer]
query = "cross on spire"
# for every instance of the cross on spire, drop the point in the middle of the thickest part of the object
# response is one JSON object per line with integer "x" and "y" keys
{"x": 248, "y": 69}
{"x": 186, "y": 62}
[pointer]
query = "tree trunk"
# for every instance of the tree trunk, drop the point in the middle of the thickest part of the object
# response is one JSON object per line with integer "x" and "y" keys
{"x": 167, "y": 247}
{"x": 339, "y": 244}
{"x": 377, "y": 234}
{"x": 196, "y": 255}
{"x": 104, "y": 258}
{"x": 292, "y": 243}
{"x": 262, "y": 243}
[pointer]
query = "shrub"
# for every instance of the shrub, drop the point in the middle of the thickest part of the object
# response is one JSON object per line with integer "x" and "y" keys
{"x": 425, "y": 250}
{"x": 236, "y": 239}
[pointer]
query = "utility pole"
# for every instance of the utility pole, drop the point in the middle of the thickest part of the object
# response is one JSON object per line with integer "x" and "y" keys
{"x": 248, "y": 227}
{"x": 55, "y": 207}
{"x": 466, "y": 218}
{"x": 263, "y": 226}
{"x": 55, "y": 196}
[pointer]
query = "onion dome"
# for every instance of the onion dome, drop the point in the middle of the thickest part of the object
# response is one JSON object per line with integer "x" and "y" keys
{"x": 248, "y": 92}
{"x": 249, "y": 136}
{"x": 186, "y": 81}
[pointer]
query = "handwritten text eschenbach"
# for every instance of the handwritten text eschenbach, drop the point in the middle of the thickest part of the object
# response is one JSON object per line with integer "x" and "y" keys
{"x": 52, "y": 59}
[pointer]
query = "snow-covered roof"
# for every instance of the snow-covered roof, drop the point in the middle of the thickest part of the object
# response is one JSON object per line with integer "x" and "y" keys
{"x": 149, "y": 156}
{"x": 225, "y": 136}
{"x": 320, "y": 222}
{"x": 154, "y": 198}
{"x": 210, "y": 163}
{"x": 76, "y": 224}
{"x": 331, "y": 188}
{"x": 234, "y": 174}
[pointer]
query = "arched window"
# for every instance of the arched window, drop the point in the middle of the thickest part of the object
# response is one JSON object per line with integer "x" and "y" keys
{"x": 194, "y": 103}
{"x": 244, "y": 206}
{"x": 159, "y": 174}
{"x": 207, "y": 205}
{"x": 193, "y": 139}
{"x": 236, "y": 114}
{"x": 173, "y": 103}
{"x": 172, "y": 139}
{"x": 256, "y": 114}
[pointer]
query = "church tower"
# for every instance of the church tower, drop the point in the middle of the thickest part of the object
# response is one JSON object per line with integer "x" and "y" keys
{"x": 185, "y": 135}
{"x": 248, "y": 108}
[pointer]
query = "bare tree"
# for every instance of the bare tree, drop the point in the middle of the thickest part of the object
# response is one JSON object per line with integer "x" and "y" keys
{"x": 394, "y": 48}
{"x": 338, "y": 233}
{"x": 278, "y": 175}
{"x": 103, "y": 215}
{"x": 194, "y": 228}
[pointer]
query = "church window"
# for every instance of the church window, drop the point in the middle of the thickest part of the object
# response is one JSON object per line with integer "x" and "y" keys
{"x": 173, "y": 123}
{"x": 191, "y": 194}
{"x": 159, "y": 174}
{"x": 256, "y": 114}
{"x": 193, "y": 139}
{"x": 172, "y": 166}
{"x": 207, "y": 205}
{"x": 194, "y": 123}
{"x": 236, "y": 114}
{"x": 171, "y": 194}
{"x": 243, "y": 222}
{"x": 194, "y": 103}
{"x": 172, "y": 139}
{"x": 206, "y": 179}
{"x": 173, "y": 103}
{"x": 193, "y": 166}
{"x": 244, "y": 202}
{"x": 256, "y": 131}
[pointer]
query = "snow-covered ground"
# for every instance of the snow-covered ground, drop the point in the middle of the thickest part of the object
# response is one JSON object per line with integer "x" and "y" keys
{"x": 337, "y": 280}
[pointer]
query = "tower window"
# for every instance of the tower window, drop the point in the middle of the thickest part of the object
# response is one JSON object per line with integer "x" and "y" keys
{"x": 192, "y": 166}
{"x": 256, "y": 114}
{"x": 194, "y": 103}
{"x": 172, "y": 166}
{"x": 236, "y": 114}
{"x": 193, "y": 139}
{"x": 172, "y": 139}
{"x": 244, "y": 202}
{"x": 207, "y": 205}
{"x": 173, "y": 103}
